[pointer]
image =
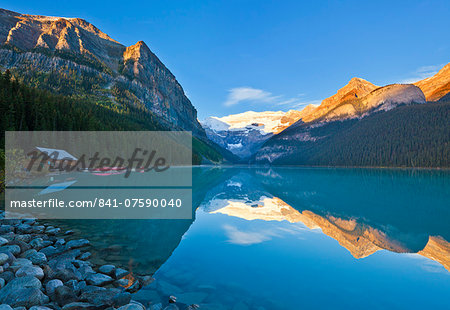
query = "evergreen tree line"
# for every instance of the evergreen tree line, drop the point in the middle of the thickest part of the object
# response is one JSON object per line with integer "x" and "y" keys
{"x": 415, "y": 135}
{"x": 26, "y": 108}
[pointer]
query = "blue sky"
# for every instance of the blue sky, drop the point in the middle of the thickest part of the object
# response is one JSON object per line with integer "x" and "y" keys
{"x": 233, "y": 56}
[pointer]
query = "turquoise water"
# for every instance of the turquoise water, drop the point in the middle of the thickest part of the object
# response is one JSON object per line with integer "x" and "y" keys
{"x": 294, "y": 238}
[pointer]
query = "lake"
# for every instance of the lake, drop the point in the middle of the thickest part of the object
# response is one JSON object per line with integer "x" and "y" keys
{"x": 293, "y": 238}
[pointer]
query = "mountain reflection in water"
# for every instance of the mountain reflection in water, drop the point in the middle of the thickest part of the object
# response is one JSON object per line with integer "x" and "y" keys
{"x": 255, "y": 227}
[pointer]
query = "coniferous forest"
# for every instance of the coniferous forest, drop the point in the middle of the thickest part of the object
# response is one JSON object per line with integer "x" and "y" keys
{"x": 415, "y": 135}
{"x": 25, "y": 108}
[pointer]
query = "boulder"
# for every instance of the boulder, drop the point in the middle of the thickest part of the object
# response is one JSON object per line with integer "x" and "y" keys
{"x": 3, "y": 258}
{"x": 64, "y": 295}
{"x": 30, "y": 271}
{"x": 132, "y": 307}
{"x": 7, "y": 276}
{"x": 79, "y": 306}
{"x": 38, "y": 258}
{"x": 98, "y": 279}
{"x": 3, "y": 241}
{"x": 120, "y": 273}
{"x": 23, "y": 291}
{"x": 19, "y": 263}
{"x": 51, "y": 286}
{"x": 106, "y": 297}
{"x": 85, "y": 256}
{"x": 74, "y": 244}
{"x": 108, "y": 270}
{"x": 13, "y": 249}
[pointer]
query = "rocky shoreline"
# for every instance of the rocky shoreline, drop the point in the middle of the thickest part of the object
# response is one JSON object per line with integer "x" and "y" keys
{"x": 40, "y": 270}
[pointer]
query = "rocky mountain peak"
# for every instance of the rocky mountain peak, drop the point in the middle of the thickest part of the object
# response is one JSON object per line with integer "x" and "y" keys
{"x": 437, "y": 86}
{"x": 137, "y": 51}
{"x": 77, "y": 45}
{"x": 354, "y": 89}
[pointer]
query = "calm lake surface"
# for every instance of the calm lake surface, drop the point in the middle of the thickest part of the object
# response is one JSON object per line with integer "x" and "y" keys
{"x": 293, "y": 238}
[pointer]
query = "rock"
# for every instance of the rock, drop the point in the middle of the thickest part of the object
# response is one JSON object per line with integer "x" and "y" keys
{"x": 7, "y": 276}
{"x": 53, "y": 231}
{"x": 51, "y": 286}
{"x": 13, "y": 249}
{"x": 19, "y": 263}
{"x": 30, "y": 271}
{"x": 80, "y": 263}
{"x": 120, "y": 273}
{"x": 146, "y": 280}
{"x": 121, "y": 299}
{"x": 23, "y": 238}
{"x": 24, "y": 229}
{"x": 23, "y": 291}
{"x": 106, "y": 298}
{"x": 20, "y": 308}
{"x": 76, "y": 286}
{"x": 157, "y": 306}
{"x": 51, "y": 251}
{"x": 85, "y": 256}
{"x": 107, "y": 269}
{"x": 38, "y": 258}
{"x": 74, "y": 244}
{"x": 171, "y": 307}
{"x": 28, "y": 253}
{"x": 23, "y": 245}
{"x": 64, "y": 295}
{"x": 4, "y": 229}
{"x": 122, "y": 282}
{"x": 60, "y": 242}
{"x": 85, "y": 271}
{"x": 92, "y": 288}
{"x": 2, "y": 283}
{"x": 3, "y": 241}
{"x": 30, "y": 221}
{"x": 136, "y": 286}
{"x": 79, "y": 306}
{"x": 40, "y": 308}
{"x": 68, "y": 273}
{"x": 98, "y": 279}
{"x": 6, "y": 307}
{"x": 69, "y": 232}
{"x": 132, "y": 307}
{"x": 37, "y": 243}
{"x": 3, "y": 258}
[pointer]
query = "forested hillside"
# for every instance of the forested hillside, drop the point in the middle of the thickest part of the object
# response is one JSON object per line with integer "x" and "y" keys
{"x": 26, "y": 108}
{"x": 408, "y": 136}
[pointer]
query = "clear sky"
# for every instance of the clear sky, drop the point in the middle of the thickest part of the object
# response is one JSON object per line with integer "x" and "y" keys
{"x": 233, "y": 56}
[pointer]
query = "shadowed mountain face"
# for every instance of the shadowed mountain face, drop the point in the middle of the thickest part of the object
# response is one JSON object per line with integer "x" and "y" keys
{"x": 40, "y": 49}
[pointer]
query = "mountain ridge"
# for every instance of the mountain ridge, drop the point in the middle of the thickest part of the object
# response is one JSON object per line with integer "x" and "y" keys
{"x": 36, "y": 46}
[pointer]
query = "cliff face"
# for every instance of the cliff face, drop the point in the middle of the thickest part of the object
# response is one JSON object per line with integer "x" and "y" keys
{"x": 356, "y": 88}
{"x": 132, "y": 75}
{"x": 437, "y": 86}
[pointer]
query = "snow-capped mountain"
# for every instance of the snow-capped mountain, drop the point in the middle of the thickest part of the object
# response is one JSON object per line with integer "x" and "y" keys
{"x": 243, "y": 133}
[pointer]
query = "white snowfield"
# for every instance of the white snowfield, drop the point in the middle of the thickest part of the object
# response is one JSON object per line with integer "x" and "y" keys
{"x": 265, "y": 122}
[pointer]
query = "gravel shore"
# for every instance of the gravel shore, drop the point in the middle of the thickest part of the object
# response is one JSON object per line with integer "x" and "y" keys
{"x": 40, "y": 270}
